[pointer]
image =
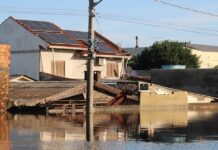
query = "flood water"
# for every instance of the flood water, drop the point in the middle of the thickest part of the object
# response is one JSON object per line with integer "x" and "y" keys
{"x": 149, "y": 129}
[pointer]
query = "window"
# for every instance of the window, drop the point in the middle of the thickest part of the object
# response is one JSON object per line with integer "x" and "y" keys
{"x": 58, "y": 68}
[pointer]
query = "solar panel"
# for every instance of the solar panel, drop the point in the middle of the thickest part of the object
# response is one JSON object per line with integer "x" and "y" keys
{"x": 79, "y": 35}
{"x": 56, "y": 38}
{"x": 102, "y": 47}
{"x": 40, "y": 26}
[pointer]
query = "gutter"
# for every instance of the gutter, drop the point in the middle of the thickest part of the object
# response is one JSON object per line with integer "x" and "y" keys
{"x": 110, "y": 56}
{"x": 66, "y": 47}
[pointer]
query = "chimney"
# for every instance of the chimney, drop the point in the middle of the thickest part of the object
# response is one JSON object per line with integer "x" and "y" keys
{"x": 137, "y": 42}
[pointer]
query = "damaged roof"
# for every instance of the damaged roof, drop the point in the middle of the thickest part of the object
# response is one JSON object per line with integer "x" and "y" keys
{"x": 40, "y": 89}
{"x": 42, "y": 92}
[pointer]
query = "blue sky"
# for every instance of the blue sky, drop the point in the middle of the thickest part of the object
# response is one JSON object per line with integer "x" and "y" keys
{"x": 124, "y": 33}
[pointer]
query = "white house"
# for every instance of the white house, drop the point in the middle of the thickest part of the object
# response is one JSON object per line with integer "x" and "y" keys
{"x": 208, "y": 54}
{"x": 39, "y": 46}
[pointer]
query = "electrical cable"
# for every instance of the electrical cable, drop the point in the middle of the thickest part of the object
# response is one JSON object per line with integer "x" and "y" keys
{"x": 186, "y": 8}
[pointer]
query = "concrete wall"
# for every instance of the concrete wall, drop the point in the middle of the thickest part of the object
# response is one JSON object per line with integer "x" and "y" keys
{"x": 207, "y": 59}
{"x": 75, "y": 66}
{"x": 161, "y": 101}
{"x": 24, "y": 48}
{"x": 4, "y": 75}
{"x": 202, "y": 81}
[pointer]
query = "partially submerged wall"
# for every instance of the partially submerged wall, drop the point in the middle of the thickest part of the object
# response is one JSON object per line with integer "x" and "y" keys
{"x": 202, "y": 81}
{"x": 4, "y": 75}
{"x": 162, "y": 101}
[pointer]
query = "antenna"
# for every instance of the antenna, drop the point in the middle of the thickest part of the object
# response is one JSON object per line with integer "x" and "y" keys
{"x": 137, "y": 42}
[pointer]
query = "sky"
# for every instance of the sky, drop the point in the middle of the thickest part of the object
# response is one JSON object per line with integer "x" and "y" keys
{"x": 127, "y": 19}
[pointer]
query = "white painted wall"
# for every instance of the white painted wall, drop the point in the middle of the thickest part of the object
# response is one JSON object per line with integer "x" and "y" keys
{"x": 24, "y": 48}
{"x": 75, "y": 66}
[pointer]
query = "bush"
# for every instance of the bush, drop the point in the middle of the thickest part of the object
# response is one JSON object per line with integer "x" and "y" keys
{"x": 165, "y": 53}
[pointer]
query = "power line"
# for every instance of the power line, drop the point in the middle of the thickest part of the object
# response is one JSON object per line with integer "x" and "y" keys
{"x": 43, "y": 9}
{"x": 156, "y": 25}
{"x": 45, "y": 12}
{"x": 159, "y": 23}
{"x": 83, "y": 13}
{"x": 114, "y": 18}
{"x": 186, "y": 8}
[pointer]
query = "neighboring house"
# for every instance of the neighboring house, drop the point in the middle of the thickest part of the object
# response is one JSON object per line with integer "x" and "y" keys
{"x": 135, "y": 51}
{"x": 208, "y": 54}
{"x": 20, "y": 78}
{"x": 39, "y": 46}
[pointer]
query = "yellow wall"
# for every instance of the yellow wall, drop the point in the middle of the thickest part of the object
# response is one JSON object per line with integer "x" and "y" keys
{"x": 207, "y": 59}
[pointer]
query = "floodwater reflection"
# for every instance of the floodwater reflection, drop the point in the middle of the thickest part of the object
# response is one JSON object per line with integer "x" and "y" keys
{"x": 4, "y": 132}
{"x": 64, "y": 132}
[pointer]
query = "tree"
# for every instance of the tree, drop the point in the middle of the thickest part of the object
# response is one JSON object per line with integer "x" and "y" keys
{"x": 165, "y": 53}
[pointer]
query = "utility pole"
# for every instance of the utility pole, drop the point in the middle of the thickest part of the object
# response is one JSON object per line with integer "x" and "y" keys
{"x": 90, "y": 72}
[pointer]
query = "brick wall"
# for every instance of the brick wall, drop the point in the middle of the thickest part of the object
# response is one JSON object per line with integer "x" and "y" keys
{"x": 4, "y": 75}
{"x": 4, "y": 132}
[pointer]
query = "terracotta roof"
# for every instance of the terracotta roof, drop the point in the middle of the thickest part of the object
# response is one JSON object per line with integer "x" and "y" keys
{"x": 55, "y": 36}
{"x": 104, "y": 45}
{"x": 49, "y": 32}
{"x": 39, "y": 26}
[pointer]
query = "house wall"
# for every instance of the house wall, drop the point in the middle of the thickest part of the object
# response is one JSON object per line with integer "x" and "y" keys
{"x": 120, "y": 67}
{"x": 24, "y": 48}
{"x": 207, "y": 59}
{"x": 75, "y": 66}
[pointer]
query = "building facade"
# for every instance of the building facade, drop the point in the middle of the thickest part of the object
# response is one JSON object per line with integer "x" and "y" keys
{"x": 39, "y": 46}
{"x": 207, "y": 54}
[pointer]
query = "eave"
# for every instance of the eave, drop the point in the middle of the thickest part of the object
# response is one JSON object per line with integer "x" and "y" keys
{"x": 67, "y": 47}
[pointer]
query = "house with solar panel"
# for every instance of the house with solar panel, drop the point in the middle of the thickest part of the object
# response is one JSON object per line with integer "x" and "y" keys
{"x": 43, "y": 47}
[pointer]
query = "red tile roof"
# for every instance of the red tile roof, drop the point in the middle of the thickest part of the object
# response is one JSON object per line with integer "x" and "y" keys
{"x": 55, "y": 36}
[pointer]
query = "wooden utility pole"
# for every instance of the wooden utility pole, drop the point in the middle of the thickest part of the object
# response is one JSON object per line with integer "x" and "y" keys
{"x": 90, "y": 75}
{"x": 90, "y": 67}
{"x": 90, "y": 72}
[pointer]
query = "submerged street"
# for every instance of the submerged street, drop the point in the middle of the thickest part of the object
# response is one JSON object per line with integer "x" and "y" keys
{"x": 145, "y": 130}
